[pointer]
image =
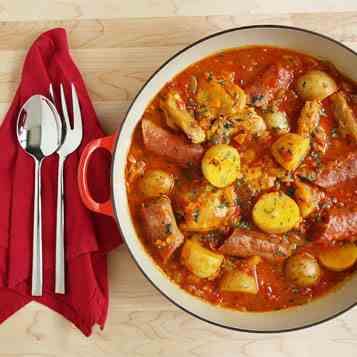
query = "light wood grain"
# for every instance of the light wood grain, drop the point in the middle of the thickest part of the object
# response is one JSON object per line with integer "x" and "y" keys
{"x": 116, "y": 56}
{"x": 117, "y": 45}
{"x": 84, "y": 9}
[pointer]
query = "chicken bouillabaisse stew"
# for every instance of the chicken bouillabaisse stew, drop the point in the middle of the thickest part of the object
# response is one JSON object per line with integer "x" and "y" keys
{"x": 242, "y": 178}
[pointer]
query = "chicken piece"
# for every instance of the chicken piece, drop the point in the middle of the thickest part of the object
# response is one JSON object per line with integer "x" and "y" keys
{"x": 217, "y": 97}
{"x": 259, "y": 178}
{"x": 238, "y": 95}
{"x": 338, "y": 171}
{"x": 276, "y": 78}
{"x": 247, "y": 123}
{"x": 307, "y": 197}
{"x": 319, "y": 140}
{"x": 206, "y": 208}
{"x": 345, "y": 117}
{"x": 135, "y": 169}
{"x": 309, "y": 118}
{"x": 247, "y": 243}
{"x": 173, "y": 147}
{"x": 177, "y": 116}
{"x": 160, "y": 226}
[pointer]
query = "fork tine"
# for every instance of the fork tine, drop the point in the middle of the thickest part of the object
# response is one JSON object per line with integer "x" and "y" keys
{"x": 52, "y": 95}
{"x": 64, "y": 108}
{"x": 77, "y": 118}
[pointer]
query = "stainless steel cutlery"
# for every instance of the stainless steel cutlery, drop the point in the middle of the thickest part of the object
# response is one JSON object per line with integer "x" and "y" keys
{"x": 41, "y": 132}
{"x": 71, "y": 141}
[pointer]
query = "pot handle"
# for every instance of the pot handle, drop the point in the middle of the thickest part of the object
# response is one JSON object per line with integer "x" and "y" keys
{"x": 106, "y": 143}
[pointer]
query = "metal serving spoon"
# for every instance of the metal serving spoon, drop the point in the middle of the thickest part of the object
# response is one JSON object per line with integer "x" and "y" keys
{"x": 39, "y": 132}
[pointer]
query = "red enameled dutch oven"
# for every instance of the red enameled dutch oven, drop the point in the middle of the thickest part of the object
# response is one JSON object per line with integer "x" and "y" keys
{"x": 118, "y": 145}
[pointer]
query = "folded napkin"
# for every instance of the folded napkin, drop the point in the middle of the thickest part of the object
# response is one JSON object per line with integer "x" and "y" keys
{"x": 88, "y": 237}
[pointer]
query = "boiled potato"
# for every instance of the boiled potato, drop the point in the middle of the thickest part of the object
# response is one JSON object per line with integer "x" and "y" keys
{"x": 303, "y": 270}
{"x": 221, "y": 165}
{"x": 315, "y": 84}
{"x": 199, "y": 260}
{"x": 239, "y": 281}
{"x": 277, "y": 122}
{"x": 156, "y": 183}
{"x": 276, "y": 212}
{"x": 339, "y": 258}
{"x": 290, "y": 150}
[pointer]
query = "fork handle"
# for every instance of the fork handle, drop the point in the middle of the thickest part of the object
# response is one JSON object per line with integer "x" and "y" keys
{"x": 60, "y": 261}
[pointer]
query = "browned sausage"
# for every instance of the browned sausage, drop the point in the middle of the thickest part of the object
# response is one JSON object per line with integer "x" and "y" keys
{"x": 262, "y": 90}
{"x": 338, "y": 171}
{"x": 337, "y": 224}
{"x": 160, "y": 226}
{"x": 245, "y": 243}
{"x": 173, "y": 147}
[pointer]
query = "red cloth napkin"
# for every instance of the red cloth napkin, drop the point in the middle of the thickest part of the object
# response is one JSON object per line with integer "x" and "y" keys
{"x": 88, "y": 237}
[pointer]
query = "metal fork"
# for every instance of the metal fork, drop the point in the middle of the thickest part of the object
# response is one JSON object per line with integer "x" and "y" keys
{"x": 71, "y": 141}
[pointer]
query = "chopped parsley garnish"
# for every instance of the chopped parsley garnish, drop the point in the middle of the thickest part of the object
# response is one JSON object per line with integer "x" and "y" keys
{"x": 223, "y": 205}
{"x": 168, "y": 228}
{"x": 239, "y": 182}
{"x": 227, "y": 125}
{"x": 196, "y": 214}
{"x": 243, "y": 224}
{"x": 309, "y": 176}
{"x": 257, "y": 98}
{"x": 290, "y": 191}
{"x": 334, "y": 133}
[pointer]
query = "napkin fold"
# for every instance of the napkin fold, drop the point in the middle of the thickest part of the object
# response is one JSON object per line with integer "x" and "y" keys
{"x": 88, "y": 237}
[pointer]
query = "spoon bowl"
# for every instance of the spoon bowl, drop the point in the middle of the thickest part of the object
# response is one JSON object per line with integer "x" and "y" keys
{"x": 39, "y": 132}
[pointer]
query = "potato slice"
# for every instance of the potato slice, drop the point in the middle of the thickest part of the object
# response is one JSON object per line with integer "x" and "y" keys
{"x": 156, "y": 183}
{"x": 199, "y": 260}
{"x": 238, "y": 281}
{"x": 315, "y": 84}
{"x": 276, "y": 212}
{"x": 290, "y": 150}
{"x": 303, "y": 269}
{"x": 221, "y": 165}
{"x": 339, "y": 258}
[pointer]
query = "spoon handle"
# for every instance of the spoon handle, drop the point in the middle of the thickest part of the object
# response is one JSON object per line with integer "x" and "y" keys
{"x": 37, "y": 235}
{"x": 60, "y": 271}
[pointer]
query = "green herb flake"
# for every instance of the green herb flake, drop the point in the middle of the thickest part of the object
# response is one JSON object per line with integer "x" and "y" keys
{"x": 290, "y": 191}
{"x": 196, "y": 215}
{"x": 310, "y": 176}
{"x": 228, "y": 125}
{"x": 168, "y": 228}
{"x": 243, "y": 225}
{"x": 334, "y": 133}
{"x": 223, "y": 205}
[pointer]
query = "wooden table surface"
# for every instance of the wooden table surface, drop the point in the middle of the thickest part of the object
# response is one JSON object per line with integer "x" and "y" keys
{"x": 117, "y": 45}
